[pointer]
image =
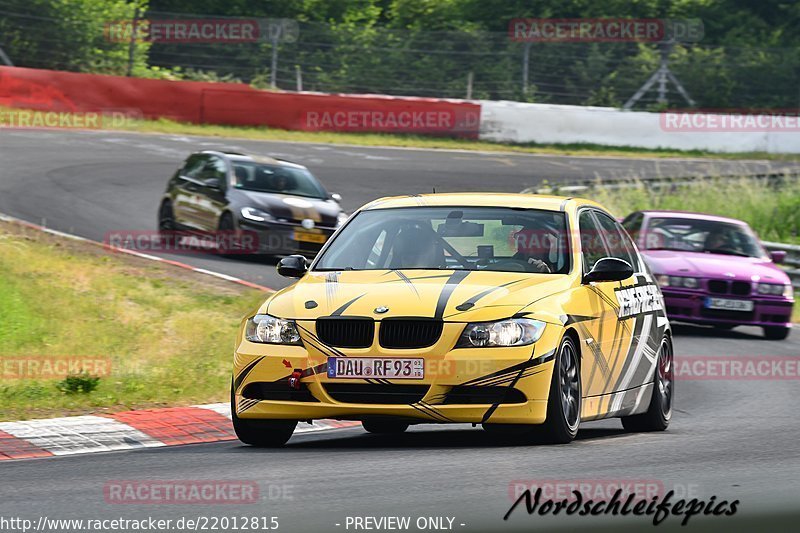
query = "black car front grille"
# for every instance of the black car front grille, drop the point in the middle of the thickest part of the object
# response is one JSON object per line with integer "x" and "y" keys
{"x": 410, "y": 333}
{"x": 346, "y": 332}
{"x": 741, "y": 288}
{"x": 279, "y": 391}
{"x": 368, "y": 393}
{"x": 717, "y": 286}
{"x": 726, "y": 314}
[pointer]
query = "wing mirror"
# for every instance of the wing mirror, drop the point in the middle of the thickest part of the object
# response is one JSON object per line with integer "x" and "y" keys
{"x": 778, "y": 256}
{"x": 293, "y": 266}
{"x": 336, "y": 197}
{"x": 609, "y": 269}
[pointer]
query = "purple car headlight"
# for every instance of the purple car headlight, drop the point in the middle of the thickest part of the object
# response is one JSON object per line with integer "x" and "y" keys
{"x": 773, "y": 289}
{"x": 677, "y": 281}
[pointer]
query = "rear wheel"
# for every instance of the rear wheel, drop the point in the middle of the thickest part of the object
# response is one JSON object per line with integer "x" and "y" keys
{"x": 384, "y": 426}
{"x": 659, "y": 411}
{"x": 776, "y": 333}
{"x": 261, "y": 433}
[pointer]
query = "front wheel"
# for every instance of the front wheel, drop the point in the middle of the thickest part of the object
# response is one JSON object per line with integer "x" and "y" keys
{"x": 564, "y": 401}
{"x": 261, "y": 433}
{"x": 776, "y": 333}
{"x": 659, "y": 412}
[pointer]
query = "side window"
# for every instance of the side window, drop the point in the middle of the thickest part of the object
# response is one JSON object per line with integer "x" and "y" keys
{"x": 592, "y": 246}
{"x": 617, "y": 240}
{"x": 216, "y": 168}
{"x": 194, "y": 166}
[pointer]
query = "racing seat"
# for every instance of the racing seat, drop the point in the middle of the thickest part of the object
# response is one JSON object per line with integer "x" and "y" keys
{"x": 416, "y": 247}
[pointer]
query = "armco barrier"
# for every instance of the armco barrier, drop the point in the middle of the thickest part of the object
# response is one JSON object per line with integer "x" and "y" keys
{"x": 235, "y": 104}
{"x": 519, "y": 122}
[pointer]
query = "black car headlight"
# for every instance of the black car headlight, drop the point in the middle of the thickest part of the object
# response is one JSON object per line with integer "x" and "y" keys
{"x": 775, "y": 290}
{"x": 677, "y": 281}
{"x": 511, "y": 332}
{"x": 268, "y": 329}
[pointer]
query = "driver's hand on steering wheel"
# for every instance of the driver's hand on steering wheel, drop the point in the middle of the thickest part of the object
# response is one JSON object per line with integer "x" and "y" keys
{"x": 537, "y": 265}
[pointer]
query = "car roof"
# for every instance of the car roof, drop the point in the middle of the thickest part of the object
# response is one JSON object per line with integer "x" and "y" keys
{"x": 266, "y": 160}
{"x": 692, "y": 215}
{"x": 479, "y": 199}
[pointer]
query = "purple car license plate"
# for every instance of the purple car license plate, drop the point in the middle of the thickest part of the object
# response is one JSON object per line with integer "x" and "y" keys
{"x": 727, "y": 304}
{"x": 376, "y": 367}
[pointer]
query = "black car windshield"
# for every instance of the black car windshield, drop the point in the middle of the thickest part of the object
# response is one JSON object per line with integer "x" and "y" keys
{"x": 260, "y": 177}
{"x": 702, "y": 236}
{"x": 466, "y": 238}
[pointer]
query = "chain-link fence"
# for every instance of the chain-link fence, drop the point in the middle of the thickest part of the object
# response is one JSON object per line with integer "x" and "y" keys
{"x": 455, "y": 64}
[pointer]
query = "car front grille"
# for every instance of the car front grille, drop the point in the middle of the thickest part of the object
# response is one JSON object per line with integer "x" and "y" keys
{"x": 368, "y": 393}
{"x": 739, "y": 288}
{"x": 410, "y": 333}
{"x": 344, "y": 332}
{"x": 718, "y": 286}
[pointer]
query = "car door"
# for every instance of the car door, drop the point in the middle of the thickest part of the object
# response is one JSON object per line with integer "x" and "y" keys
{"x": 211, "y": 200}
{"x": 638, "y": 307}
{"x": 185, "y": 202}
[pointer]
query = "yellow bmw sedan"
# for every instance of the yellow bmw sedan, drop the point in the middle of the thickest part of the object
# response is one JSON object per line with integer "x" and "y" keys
{"x": 523, "y": 313}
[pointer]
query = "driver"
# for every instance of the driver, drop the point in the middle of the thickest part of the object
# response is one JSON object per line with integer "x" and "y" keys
{"x": 717, "y": 239}
{"x": 533, "y": 247}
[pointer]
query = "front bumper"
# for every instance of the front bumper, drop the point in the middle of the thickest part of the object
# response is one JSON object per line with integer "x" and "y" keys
{"x": 516, "y": 379}
{"x": 285, "y": 238}
{"x": 688, "y": 306}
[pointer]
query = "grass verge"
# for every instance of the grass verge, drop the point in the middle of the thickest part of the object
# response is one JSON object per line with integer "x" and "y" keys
{"x": 409, "y": 141}
{"x": 165, "y": 333}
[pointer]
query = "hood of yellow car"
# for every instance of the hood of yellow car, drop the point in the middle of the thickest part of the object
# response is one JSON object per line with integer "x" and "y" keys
{"x": 451, "y": 295}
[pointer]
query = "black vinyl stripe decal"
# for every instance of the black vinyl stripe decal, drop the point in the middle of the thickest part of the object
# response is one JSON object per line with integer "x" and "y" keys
{"x": 246, "y": 370}
{"x": 494, "y": 406}
{"x": 470, "y": 303}
{"x": 344, "y": 307}
{"x": 449, "y": 286}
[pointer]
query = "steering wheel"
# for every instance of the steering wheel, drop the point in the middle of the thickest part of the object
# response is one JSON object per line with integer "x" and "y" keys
{"x": 509, "y": 265}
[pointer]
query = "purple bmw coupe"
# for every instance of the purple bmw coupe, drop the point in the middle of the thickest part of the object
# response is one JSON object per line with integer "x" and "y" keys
{"x": 713, "y": 270}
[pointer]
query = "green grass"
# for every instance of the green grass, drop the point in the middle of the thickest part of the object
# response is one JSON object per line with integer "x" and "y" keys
{"x": 418, "y": 141}
{"x": 772, "y": 211}
{"x": 167, "y": 333}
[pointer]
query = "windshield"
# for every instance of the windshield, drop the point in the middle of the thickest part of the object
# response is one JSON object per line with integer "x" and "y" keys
{"x": 252, "y": 176}
{"x": 703, "y": 236}
{"x": 466, "y": 238}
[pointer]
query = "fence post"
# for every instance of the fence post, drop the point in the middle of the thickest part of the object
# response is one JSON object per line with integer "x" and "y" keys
{"x": 273, "y": 71}
{"x": 132, "y": 43}
{"x": 4, "y": 58}
{"x": 526, "y": 57}
{"x": 299, "y": 75}
{"x": 470, "y": 77}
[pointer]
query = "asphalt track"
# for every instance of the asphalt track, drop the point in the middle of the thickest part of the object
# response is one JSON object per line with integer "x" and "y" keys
{"x": 733, "y": 439}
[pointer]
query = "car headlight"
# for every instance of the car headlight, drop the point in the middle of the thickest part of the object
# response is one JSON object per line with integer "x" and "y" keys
{"x": 773, "y": 289}
{"x": 512, "y": 332}
{"x": 341, "y": 219}
{"x": 257, "y": 215}
{"x": 677, "y": 281}
{"x": 788, "y": 291}
{"x": 271, "y": 330}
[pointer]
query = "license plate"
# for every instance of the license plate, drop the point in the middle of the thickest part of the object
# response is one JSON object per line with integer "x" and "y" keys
{"x": 376, "y": 367}
{"x": 728, "y": 304}
{"x": 303, "y": 236}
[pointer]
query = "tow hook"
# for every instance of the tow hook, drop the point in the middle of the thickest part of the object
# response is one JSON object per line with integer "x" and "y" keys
{"x": 294, "y": 379}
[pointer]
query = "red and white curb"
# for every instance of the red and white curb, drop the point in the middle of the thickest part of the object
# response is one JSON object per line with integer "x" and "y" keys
{"x": 14, "y": 220}
{"x": 128, "y": 430}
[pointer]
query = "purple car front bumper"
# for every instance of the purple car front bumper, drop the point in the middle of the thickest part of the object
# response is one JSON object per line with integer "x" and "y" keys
{"x": 689, "y": 306}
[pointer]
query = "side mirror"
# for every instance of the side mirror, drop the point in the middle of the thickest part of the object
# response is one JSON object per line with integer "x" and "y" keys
{"x": 609, "y": 269}
{"x": 293, "y": 266}
{"x": 212, "y": 183}
{"x": 778, "y": 256}
{"x": 336, "y": 197}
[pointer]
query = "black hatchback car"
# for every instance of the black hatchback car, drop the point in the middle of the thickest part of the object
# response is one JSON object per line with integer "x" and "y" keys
{"x": 279, "y": 203}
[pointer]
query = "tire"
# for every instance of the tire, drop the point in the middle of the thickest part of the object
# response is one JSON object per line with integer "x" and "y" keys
{"x": 659, "y": 412}
{"x": 564, "y": 401}
{"x": 261, "y": 433}
{"x": 166, "y": 217}
{"x": 724, "y": 327}
{"x": 226, "y": 224}
{"x": 776, "y": 333}
{"x": 384, "y": 427}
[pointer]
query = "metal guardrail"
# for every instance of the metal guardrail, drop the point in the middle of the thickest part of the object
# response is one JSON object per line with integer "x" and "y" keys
{"x": 792, "y": 261}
